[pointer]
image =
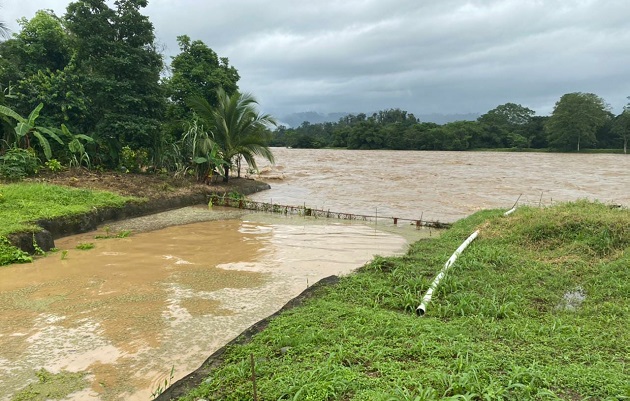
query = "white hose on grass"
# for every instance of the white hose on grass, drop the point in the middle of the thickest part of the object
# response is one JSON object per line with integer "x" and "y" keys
{"x": 420, "y": 310}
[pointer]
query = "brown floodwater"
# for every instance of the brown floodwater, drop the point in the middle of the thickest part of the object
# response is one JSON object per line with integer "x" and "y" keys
{"x": 130, "y": 309}
{"x": 443, "y": 186}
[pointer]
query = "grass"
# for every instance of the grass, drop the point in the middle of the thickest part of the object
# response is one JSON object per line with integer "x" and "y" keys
{"x": 25, "y": 203}
{"x": 498, "y": 327}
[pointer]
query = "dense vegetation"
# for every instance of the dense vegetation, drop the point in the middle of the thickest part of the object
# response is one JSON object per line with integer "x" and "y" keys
{"x": 579, "y": 120}
{"x": 88, "y": 89}
{"x": 535, "y": 309}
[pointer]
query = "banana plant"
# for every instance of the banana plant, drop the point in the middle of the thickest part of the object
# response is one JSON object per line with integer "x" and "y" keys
{"x": 26, "y": 127}
{"x": 204, "y": 151}
{"x": 76, "y": 147}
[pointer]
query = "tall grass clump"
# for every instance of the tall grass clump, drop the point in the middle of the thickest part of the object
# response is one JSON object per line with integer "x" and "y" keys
{"x": 537, "y": 308}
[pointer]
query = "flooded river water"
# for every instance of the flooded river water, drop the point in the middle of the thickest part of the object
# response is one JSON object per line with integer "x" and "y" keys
{"x": 130, "y": 309}
{"x": 443, "y": 186}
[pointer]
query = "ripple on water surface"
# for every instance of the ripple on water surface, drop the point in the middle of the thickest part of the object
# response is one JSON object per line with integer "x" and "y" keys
{"x": 129, "y": 309}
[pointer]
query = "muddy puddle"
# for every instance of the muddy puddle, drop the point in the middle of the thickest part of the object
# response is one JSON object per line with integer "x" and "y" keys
{"x": 130, "y": 309}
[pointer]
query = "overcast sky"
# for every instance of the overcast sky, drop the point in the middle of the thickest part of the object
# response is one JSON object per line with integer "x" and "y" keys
{"x": 424, "y": 56}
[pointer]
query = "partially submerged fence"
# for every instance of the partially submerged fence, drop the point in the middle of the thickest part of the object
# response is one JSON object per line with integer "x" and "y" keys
{"x": 246, "y": 204}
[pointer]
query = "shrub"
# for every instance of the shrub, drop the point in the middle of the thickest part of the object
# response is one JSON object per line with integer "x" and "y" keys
{"x": 10, "y": 254}
{"x": 54, "y": 165}
{"x": 18, "y": 163}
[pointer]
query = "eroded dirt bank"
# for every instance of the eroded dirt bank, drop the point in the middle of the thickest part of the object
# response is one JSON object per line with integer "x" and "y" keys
{"x": 158, "y": 193}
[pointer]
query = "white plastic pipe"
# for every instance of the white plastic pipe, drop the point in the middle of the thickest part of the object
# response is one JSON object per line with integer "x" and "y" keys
{"x": 509, "y": 212}
{"x": 420, "y": 310}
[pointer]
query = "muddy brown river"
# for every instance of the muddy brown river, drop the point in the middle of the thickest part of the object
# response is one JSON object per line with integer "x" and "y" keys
{"x": 130, "y": 309}
{"x": 443, "y": 186}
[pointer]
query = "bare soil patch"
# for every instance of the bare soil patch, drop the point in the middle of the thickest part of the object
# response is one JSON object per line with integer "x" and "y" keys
{"x": 151, "y": 186}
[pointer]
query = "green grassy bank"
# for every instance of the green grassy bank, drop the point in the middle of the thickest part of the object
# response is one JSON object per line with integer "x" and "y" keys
{"x": 22, "y": 204}
{"x": 506, "y": 323}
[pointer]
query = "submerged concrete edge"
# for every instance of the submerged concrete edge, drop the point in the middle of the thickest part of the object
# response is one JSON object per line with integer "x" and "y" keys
{"x": 195, "y": 378}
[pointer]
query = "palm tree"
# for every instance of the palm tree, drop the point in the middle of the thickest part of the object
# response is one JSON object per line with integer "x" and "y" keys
{"x": 4, "y": 31}
{"x": 236, "y": 127}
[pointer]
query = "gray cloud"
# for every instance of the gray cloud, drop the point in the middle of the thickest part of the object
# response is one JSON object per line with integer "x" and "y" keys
{"x": 450, "y": 56}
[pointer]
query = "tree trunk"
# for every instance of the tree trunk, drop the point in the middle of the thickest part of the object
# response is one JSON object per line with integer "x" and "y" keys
{"x": 625, "y": 146}
{"x": 226, "y": 177}
{"x": 578, "y": 149}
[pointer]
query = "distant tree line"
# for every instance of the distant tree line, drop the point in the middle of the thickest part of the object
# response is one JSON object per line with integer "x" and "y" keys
{"x": 579, "y": 120}
{"x": 90, "y": 89}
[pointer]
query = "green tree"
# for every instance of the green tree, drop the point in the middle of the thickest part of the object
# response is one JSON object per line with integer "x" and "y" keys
{"x": 504, "y": 126}
{"x": 237, "y": 128}
{"x": 33, "y": 56}
{"x": 621, "y": 127}
{"x": 575, "y": 121}
{"x": 117, "y": 55}
{"x": 43, "y": 43}
{"x": 198, "y": 71}
{"x": 457, "y": 135}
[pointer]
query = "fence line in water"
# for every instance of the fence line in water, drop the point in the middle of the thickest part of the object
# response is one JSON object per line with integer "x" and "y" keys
{"x": 216, "y": 200}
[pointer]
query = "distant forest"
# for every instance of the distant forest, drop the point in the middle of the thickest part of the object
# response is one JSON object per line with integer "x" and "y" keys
{"x": 579, "y": 120}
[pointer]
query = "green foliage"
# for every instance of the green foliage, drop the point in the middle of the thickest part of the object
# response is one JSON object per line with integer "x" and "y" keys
{"x": 498, "y": 328}
{"x": 84, "y": 246}
{"x": 134, "y": 160}
{"x": 25, "y": 203}
{"x": 575, "y": 121}
{"x": 26, "y": 128}
{"x": 199, "y": 144}
{"x": 237, "y": 128}
{"x": 18, "y": 163}
{"x": 78, "y": 154}
{"x": 108, "y": 235}
{"x": 53, "y": 165}
{"x": 9, "y": 254}
{"x": 196, "y": 71}
{"x": 117, "y": 54}
{"x": 37, "y": 248}
{"x": 621, "y": 127}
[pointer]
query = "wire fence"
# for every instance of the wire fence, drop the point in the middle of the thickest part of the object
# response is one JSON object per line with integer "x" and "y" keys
{"x": 305, "y": 211}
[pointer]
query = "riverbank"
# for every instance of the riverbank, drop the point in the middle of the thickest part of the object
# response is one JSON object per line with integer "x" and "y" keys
{"x": 536, "y": 308}
{"x": 38, "y": 211}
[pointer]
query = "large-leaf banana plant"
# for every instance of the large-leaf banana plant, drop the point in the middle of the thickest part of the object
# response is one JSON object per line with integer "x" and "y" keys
{"x": 25, "y": 128}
